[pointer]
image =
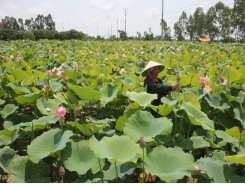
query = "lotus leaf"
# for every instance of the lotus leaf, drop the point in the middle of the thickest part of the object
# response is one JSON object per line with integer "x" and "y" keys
{"x": 8, "y": 110}
{"x": 218, "y": 170}
{"x": 169, "y": 164}
{"x": 123, "y": 170}
{"x": 23, "y": 170}
{"x": 77, "y": 156}
{"x": 197, "y": 117}
{"x": 6, "y": 156}
{"x": 52, "y": 141}
{"x": 29, "y": 99}
{"x": 120, "y": 149}
{"x": 109, "y": 92}
{"x": 47, "y": 107}
{"x": 143, "y": 98}
{"x": 17, "y": 88}
{"x": 85, "y": 93}
{"x": 143, "y": 124}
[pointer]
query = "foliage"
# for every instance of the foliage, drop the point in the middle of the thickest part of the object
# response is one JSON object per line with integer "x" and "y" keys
{"x": 198, "y": 136}
{"x": 28, "y": 36}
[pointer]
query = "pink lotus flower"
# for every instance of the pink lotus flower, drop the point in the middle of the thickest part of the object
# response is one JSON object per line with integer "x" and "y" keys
{"x": 91, "y": 65}
{"x": 122, "y": 71}
{"x": 197, "y": 169}
{"x": 76, "y": 66}
{"x": 142, "y": 142}
{"x": 11, "y": 57}
{"x": 206, "y": 89}
{"x": 124, "y": 55}
{"x": 60, "y": 73}
{"x": 202, "y": 79}
{"x": 19, "y": 59}
{"x": 49, "y": 72}
{"x": 60, "y": 112}
{"x": 178, "y": 77}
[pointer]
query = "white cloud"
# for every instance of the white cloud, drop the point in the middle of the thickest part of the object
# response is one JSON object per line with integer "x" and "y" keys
{"x": 12, "y": 7}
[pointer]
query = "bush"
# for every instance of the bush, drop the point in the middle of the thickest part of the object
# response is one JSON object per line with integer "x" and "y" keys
{"x": 29, "y": 36}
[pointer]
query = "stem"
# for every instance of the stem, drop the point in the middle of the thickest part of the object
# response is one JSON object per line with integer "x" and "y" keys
{"x": 32, "y": 131}
{"x": 101, "y": 171}
{"x": 240, "y": 140}
{"x": 187, "y": 135}
{"x": 116, "y": 172}
{"x": 143, "y": 165}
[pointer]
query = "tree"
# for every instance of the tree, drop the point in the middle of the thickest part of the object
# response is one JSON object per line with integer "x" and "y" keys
{"x": 199, "y": 23}
{"x": 223, "y": 20}
{"x": 39, "y": 22}
{"x": 29, "y": 24}
{"x": 122, "y": 34}
{"x": 180, "y": 27}
{"x": 166, "y": 30}
{"x": 11, "y": 23}
{"x": 238, "y": 17}
{"x": 191, "y": 27}
{"x": 211, "y": 23}
{"x": 50, "y": 24}
{"x": 138, "y": 35}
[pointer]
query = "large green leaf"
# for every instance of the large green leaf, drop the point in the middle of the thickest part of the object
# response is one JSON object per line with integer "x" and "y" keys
{"x": 86, "y": 93}
{"x": 122, "y": 119}
{"x": 6, "y": 156}
{"x": 239, "y": 158}
{"x": 47, "y": 144}
{"x": 77, "y": 156}
{"x": 217, "y": 101}
{"x": 197, "y": 117}
{"x": 29, "y": 99}
{"x": 194, "y": 142}
{"x": 232, "y": 73}
{"x": 120, "y": 149}
{"x": 55, "y": 84}
{"x": 8, "y": 109}
{"x": 169, "y": 164}
{"x": 143, "y": 98}
{"x": 235, "y": 132}
{"x": 29, "y": 80}
{"x": 143, "y": 124}
{"x": 109, "y": 92}
{"x": 226, "y": 137}
{"x": 217, "y": 170}
{"x": 122, "y": 169}
{"x": 17, "y": 88}
{"x": 49, "y": 106}
{"x": 23, "y": 170}
{"x": 166, "y": 108}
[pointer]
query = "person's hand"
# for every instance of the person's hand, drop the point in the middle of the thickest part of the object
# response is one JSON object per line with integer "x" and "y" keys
{"x": 176, "y": 87}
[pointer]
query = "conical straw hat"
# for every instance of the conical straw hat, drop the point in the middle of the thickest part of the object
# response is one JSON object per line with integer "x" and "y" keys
{"x": 150, "y": 65}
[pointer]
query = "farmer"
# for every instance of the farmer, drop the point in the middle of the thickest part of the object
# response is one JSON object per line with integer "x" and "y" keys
{"x": 154, "y": 85}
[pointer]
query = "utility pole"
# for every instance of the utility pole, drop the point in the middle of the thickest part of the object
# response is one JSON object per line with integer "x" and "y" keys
{"x": 162, "y": 22}
{"x": 125, "y": 20}
{"x": 97, "y": 31}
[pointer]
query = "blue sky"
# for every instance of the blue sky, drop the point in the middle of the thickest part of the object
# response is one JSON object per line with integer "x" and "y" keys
{"x": 104, "y": 17}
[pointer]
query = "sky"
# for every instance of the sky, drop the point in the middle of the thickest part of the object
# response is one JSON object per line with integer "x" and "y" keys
{"x": 106, "y": 17}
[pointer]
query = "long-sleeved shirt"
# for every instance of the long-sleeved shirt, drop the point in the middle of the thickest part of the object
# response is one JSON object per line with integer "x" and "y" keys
{"x": 156, "y": 88}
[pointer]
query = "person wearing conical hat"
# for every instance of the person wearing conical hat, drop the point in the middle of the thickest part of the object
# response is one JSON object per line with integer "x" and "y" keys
{"x": 154, "y": 85}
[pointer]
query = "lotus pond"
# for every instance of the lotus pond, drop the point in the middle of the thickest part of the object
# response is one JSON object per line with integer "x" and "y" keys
{"x": 76, "y": 111}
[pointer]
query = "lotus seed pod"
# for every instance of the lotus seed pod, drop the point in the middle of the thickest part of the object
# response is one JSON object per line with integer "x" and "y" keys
{"x": 222, "y": 79}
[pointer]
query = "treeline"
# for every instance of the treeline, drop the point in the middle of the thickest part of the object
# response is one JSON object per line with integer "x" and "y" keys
{"x": 220, "y": 22}
{"x": 42, "y": 27}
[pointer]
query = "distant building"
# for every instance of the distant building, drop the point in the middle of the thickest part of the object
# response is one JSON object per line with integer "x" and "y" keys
{"x": 112, "y": 36}
{"x": 1, "y": 24}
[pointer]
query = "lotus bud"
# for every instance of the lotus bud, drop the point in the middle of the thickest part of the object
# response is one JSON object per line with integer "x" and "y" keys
{"x": 61, "y": 171}
{"x": 142, "y": 142}
{"x": 76, "y": 111}
{"x": 197, "y": 169}
{"x": 222, "y": 79}
{"x": 218, "y": 67}
{"x": 243, "y": 89}
{"x": 47, "y": 87}
{"x": 178, "y": 77}
{"x": 91, "y": 129}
